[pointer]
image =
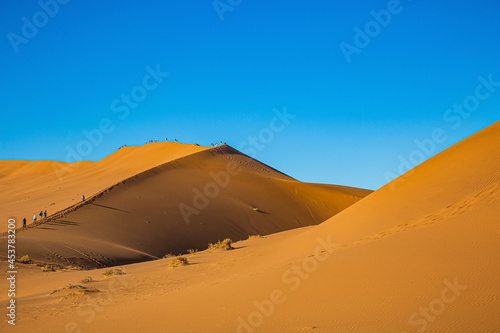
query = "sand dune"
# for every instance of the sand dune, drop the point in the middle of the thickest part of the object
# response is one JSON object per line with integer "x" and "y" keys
{"x": 397, "y": 252}
{"x": 31, "y": 186}
{"x": 184, "y": 204}
{"x": 418, "y": 255}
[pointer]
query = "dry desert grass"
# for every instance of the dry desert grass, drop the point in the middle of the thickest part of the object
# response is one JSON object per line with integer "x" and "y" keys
{"x": 113, "y": 272}
{"x": 221, "y": 245}
{"x": 178, "y": 261}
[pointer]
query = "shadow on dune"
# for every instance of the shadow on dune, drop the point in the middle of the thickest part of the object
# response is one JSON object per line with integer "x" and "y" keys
{"x": 108, "y": 207}
{"x": 62, "y": 223}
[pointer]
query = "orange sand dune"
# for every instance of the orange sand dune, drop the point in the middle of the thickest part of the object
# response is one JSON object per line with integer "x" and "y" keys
{"x": 29, "y": 187}
{"x": 419, "y": 255}
{"x": 180, "y": 205}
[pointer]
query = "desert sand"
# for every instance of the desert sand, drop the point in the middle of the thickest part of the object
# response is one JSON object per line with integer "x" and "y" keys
{"x": 418, "y": 255}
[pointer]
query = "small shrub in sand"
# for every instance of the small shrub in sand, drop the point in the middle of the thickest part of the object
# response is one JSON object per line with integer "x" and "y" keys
{"x": 256, "y": 209}
{"x": 254, "y": 237}
{"x": 48, "y": 268}
{"x": 224, "y": 245}
{"x": 75, "y": 286}
{"x": 87, "y": 279}
{"x": 112, "y": 272}
{"x": 76, "y": 291}
{"x": 26, "y": 259}
{"x": 178, "y": 261}
{"x": 72, "y": 268}
{"x": 168, "y": 255}
{"x": 192, "y": 252}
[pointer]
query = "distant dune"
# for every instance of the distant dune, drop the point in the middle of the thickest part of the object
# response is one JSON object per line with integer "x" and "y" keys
{"x": 418, "y": 255}
{"x": 183, "y": 204}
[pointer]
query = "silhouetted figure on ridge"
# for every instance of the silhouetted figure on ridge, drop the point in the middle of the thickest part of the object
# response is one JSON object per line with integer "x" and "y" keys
{"x": 34, "y": 218}
{"x": 24, "y": 222}
{"x": 83, "y": 198}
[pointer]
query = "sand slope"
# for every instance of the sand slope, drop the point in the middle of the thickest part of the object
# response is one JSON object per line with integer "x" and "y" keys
{"x": 31, "y": 186}
{"x": 418, "y": 256}
{"x": 400, "y": 249}
{"x": 184, "y": 204}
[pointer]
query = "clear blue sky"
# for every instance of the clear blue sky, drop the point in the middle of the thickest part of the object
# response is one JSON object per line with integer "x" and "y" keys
{"x": 353, "y": 121}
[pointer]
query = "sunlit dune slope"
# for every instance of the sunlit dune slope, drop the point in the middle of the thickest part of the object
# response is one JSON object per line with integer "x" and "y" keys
{"x": 29, "y": 187}
{"x": 183, "y": 204}
{"x": 420, "y": 254}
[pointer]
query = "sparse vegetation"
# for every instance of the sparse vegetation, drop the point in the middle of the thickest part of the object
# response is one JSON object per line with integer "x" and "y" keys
{"x": 87, "y": 279}
{"x": 112, "y": 272}
{"x": 254, "y": 237}
{"x": 168, "y": 255}
{"x": 48, "y": 268}
{"x": 224, "y": 245}
{"x": 26, "y": 259}
{"x": 80, "y": 291}
{"x": 256, "y": 209}
{"x": 178, "y": 261}
{"x": 192, "y": 252}
{"x": 75, "y": 286}
{"x": 72, "y": 268}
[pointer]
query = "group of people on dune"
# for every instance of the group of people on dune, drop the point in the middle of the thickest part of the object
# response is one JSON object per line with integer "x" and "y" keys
{"x": 156, "y": 140}
{"x": 216, "y": 144}
{"x": 166, "y": 139}
{"x": 42, "y": 214}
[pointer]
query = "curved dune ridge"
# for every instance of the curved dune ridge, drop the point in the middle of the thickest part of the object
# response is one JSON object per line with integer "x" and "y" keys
{"x": 182, "y": 204}
{"x": 418, "y": 255}
{"x": 29, "y": 187}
